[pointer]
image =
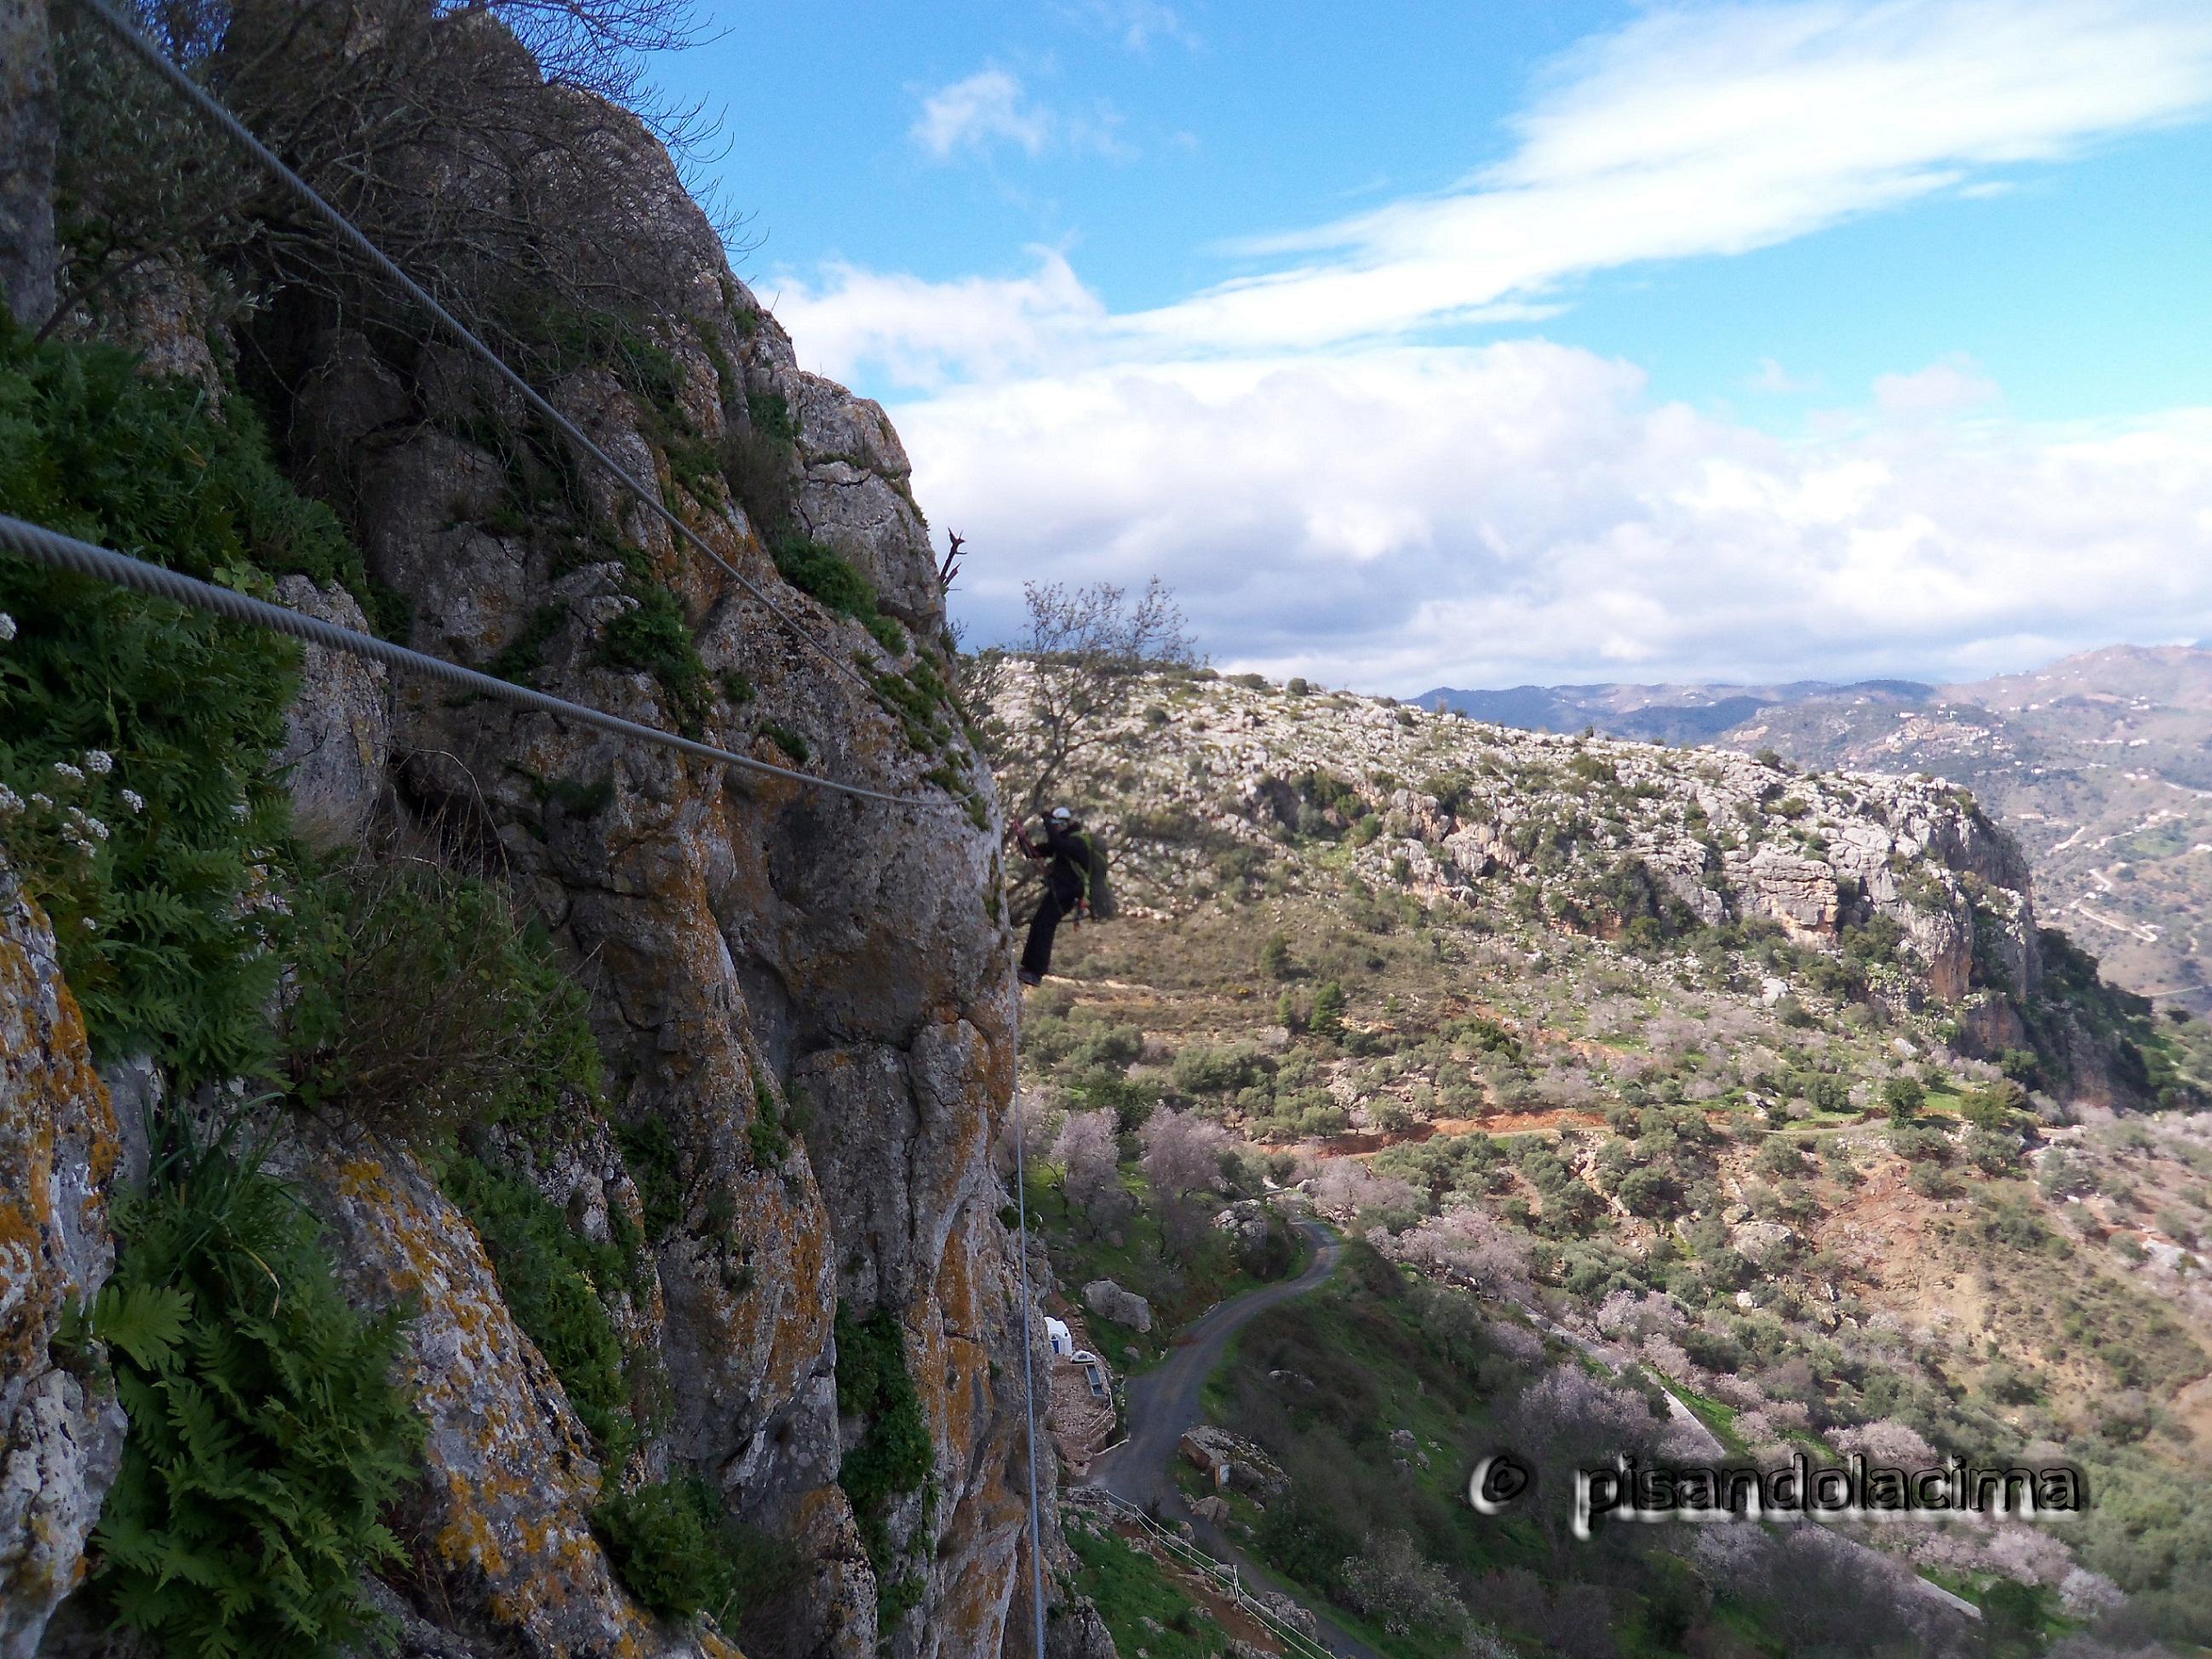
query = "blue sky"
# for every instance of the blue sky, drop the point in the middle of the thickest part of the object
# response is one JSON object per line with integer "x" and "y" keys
{"x": 1522, "y": 340}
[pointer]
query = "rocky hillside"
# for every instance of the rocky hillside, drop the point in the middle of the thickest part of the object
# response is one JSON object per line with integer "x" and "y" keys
{"x": 644, "y": 1109}
{"x": 1926, "y": 905}
{"x": 2096, "y": 764}
{"x": 1760, "y": 1083}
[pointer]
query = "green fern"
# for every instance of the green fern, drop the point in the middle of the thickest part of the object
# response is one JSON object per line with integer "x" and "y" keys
{"x": 135, "y": 738}
{"x": 144, "y": 1322}
{"x": 266, "y": 1435}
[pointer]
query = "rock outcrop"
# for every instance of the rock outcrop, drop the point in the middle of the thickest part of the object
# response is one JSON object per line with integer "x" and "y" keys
{"x": 766, "y": 957}
{"x": 59, "y": 1152}
{"x": 1212, "y": 1448}
{"x": 339, "y": 730}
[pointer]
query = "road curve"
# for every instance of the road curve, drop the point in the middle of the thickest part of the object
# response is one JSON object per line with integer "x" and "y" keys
{"x": 1169, "y": 1399}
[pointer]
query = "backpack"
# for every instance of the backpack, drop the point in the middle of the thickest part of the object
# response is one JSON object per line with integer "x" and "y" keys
{"x": 1102, "y": 895}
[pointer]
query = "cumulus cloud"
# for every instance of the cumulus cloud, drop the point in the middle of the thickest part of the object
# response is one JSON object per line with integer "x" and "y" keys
{"x": 991, "y": 107}
{"x": 1335, "y": 494}
{"x": 1941, "y": 388}
{"x": 925, "y": 334}
{"x": 1136, "y": 23}
{"x": 1526, "y": 511}
{"x": 1778, "y": 381}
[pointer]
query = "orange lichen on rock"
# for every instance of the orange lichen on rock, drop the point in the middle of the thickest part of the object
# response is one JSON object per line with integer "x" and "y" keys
{"x": 60, "y": 1427}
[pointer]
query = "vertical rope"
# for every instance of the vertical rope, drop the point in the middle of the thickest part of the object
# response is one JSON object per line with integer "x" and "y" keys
{"x": 1029, "y": 1379}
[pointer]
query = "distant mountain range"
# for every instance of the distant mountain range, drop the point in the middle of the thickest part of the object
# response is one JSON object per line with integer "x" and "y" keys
{"x": 1657, "y": 714}
{"x": 2101, "y": 763}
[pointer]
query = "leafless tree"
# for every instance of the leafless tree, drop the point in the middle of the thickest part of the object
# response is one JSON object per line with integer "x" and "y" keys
{"x": 1085, "y": 647}
{"x": 1183, "y": 1152}
{"x": 1465, "y": 1247}
{"x": 1567, "y": 1421}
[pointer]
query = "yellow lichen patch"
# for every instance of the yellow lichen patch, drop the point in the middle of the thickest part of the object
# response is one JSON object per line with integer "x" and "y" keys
{"x": 467, "y": 1539}
{"x": 362, "y": 1178}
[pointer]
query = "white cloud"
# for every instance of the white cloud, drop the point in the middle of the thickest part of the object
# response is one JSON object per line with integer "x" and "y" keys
{"x": 991, "y": 106}
{"x": 1487, "y": 515}
{"x": 926, "y": 334}
{"x": 1953, "y": 384}
{"x": 986, "y": 107}
{"x": 1136, "y": 23}
{"x": 1332, "y": 498}
{"x": 1694, "y": 130}
{"x": 1773, "y": 378}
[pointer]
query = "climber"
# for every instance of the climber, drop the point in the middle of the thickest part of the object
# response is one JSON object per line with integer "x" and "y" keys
{"x": 1075, "y": 883}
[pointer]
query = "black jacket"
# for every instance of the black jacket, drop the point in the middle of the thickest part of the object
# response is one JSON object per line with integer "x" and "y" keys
{"x": 1067, "y": 870}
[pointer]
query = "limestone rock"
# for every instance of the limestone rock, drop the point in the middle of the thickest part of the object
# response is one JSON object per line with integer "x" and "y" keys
{"x": 1208, "y": 1448}
{"x": 856, "y": 497}
{"x": 1755, "y": 1241}
{"x": 806, "y": 993}
{"x": 1288, "y": 1612}
{"x": 338, "y": 731}
{"x": 1108, "y": 1300}
{"x": 58, "y": 1154}
{"x": 1076, "y": 1631}
{"x": 1245, "y": 1222}
{"x": 1211, "y": 1509}
{"x": 506, "y": 1507}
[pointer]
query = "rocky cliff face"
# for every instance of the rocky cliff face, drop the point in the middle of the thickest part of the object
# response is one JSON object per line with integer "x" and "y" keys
{"x": 749, "y": 942}
{"x": 808, "y": 993}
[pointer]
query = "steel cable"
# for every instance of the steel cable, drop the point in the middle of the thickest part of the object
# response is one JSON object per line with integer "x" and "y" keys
{"x": 60, "y": 552}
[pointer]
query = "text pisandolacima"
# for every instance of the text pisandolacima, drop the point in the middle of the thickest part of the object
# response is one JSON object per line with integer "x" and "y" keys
{"x": 1857, "y": 1490}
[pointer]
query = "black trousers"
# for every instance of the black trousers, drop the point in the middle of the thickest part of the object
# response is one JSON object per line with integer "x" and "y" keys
{"x": 1036, "y": 954}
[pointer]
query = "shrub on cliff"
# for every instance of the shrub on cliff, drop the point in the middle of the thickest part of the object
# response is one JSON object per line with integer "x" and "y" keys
{"x": 680, "y": 1553}
{"x": 894, "y": 1455}
{"x": 422, "y": 1002}
{"x": 549, "y": 1277}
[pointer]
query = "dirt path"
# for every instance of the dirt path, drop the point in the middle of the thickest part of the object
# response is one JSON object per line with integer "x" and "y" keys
{"x": 1167, "y": 1399}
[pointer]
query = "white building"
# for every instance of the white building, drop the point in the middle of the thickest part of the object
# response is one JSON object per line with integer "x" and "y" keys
{"x": 1062, "y": 1341}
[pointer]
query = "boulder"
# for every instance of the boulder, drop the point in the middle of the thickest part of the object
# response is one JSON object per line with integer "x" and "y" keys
{"x": 1288, "y": 1612}
{"x": 338, "y": 731}
{"x": 1245, "y": 1222}
{"x": 1110, "y": 1301}
{"x": 1250, "y": 1469}
{"x": 1076, "y": 1631}
{"x": 1755, "y": 1241}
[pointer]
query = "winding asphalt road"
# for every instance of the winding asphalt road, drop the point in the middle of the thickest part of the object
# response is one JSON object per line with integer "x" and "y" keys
{"x": 1167, "y": 1399}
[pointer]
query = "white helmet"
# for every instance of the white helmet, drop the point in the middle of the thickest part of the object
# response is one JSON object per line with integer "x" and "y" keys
{"x": 1061, "y": 815}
